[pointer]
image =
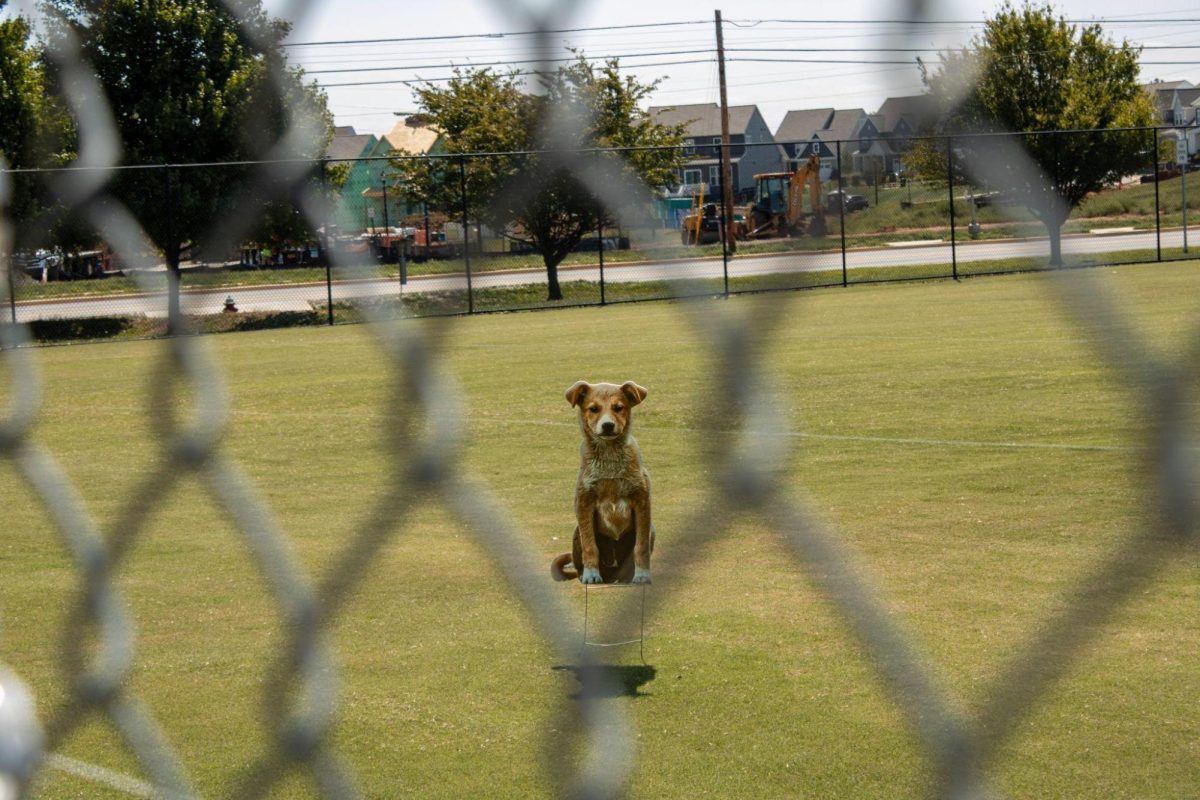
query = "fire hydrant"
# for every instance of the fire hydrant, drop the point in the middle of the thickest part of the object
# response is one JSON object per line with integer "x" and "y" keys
{"x": 230, "y": 308}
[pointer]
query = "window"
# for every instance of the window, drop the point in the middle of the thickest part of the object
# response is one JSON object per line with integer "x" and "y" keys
{"x": 716, "y": 140}
{"x": 714, "y": 174}
{"x": 689, "y": 147}
{"x": 692, "y": 176}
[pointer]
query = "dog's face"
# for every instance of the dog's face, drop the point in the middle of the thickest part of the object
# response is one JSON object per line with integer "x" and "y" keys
{"x": 604, "y": 408}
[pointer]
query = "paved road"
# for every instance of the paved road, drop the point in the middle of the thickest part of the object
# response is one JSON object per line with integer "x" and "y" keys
{"x": 298, "y": 298}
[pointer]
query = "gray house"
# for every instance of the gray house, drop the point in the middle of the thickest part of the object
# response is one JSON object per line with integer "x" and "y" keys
{"x": 825, "y": 132}
{"x": 752, "y": 148}
{"x": 1177, "y": 103}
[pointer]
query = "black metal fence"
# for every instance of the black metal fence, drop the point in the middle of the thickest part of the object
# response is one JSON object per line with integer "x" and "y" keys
{"x": 885, "y": 210}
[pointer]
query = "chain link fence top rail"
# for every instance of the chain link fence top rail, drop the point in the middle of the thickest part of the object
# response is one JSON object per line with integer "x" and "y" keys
{"x": 744, "y": 455}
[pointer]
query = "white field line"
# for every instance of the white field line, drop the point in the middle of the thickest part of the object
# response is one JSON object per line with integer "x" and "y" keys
{"x": 837, "y": 437}
{"x": 114, "y": 780}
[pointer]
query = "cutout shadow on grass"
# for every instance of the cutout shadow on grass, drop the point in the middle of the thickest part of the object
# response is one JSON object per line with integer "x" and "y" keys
{"x": 615, "y": 680}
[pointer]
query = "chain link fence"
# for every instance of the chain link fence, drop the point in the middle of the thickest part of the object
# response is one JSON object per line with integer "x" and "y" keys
{"x": 873, "y": 222}
{"x": 370, "y": 265}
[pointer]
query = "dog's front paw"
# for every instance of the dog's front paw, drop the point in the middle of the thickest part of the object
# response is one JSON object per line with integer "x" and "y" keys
{"x": 641, "y": 575}
{"x": 590, "y": 575}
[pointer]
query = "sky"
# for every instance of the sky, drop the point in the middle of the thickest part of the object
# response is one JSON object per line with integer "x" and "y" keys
{"x": 831, "y": 32}
{"x": 779, "y": 55}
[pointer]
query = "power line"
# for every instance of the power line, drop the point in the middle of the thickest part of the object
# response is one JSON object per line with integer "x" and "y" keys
{"x": 495, "y": 35}
{"x": 736, "y": 23}
{"x": 506, "y": 62}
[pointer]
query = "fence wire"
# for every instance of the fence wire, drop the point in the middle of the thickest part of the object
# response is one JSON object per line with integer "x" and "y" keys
{"x": 744, "y": 455}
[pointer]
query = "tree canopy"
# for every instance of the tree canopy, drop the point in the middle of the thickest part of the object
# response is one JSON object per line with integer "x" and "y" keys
{"x": 531, "y": 187}
{"x": 1032, "y": 72}
{"x": 189, "y": 82}
{"x": 35, "y": 128}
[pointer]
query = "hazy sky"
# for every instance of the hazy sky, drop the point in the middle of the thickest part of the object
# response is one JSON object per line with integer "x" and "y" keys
{"x": 754, "y": 29}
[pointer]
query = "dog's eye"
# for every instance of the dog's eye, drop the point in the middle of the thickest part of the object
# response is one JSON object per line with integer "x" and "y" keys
{"x": 618, "y": 407}
{"x": 594, "y": 408}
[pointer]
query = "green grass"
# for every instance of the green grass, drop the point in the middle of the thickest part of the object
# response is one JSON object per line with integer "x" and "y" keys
{"x": 891, "y": 393}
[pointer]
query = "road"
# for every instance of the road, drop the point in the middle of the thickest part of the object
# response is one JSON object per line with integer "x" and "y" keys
{"x": 302, "y": 297}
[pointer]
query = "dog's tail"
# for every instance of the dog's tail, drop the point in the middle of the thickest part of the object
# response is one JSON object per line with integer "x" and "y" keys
{"x": 558, "y": 573}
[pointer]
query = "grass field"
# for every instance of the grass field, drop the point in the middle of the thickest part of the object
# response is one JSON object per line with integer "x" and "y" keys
{"x": 973, "y": 455}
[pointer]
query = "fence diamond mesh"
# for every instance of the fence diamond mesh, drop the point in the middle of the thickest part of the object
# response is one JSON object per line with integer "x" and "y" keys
{"x": 363, "y": 257}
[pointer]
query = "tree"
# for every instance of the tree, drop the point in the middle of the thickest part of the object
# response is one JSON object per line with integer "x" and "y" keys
{"x": 188, "y": 82}
{"x": 532, "y": 187}
{"x": 1030, "y": 72}
{"x": 35, "y": 127}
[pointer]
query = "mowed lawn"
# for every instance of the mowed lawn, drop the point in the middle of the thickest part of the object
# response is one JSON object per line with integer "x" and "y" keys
{"x": 973, "y": 455}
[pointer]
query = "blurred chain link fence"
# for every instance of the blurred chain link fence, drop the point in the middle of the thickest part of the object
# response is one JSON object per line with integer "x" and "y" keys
{"x": 351, "y": 263}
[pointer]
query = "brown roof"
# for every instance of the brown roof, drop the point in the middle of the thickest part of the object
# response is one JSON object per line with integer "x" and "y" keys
{"x": 349, "y": 145}
{"x": 918, "y": 109}
{"x": 412, "y": 135}
{"x": 799, "y": 126}
{"x": 703, "y": 119}
{"x": 845, "y": 123}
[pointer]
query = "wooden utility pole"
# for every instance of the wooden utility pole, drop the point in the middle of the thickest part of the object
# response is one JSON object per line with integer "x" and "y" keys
{"x": 726, "y": 160}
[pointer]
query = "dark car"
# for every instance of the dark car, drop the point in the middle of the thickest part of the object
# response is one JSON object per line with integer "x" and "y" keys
{"x": 850, "y": 202}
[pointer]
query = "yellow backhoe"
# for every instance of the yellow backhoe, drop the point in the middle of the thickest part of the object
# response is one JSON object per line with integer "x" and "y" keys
{"x": 778, "y": 208}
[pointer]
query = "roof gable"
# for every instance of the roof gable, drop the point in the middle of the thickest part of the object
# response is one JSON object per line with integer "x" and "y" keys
{"x": 919, "y": 111}
{"x": 703, "y": 119}
{"x": 411, "y": 135}
{"x": 345, "y": 146}
{"x": 802, "y": 124}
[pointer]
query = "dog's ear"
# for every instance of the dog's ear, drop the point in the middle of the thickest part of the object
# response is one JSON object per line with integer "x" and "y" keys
{"x": 577, "y": 392}
{"x": 635, "y": 393}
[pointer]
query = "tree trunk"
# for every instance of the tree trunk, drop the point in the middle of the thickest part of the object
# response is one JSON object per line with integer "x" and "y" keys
{"x": 174, "y": 315}
{"x": 553, "y": 291}
{"x": 1054, "y": 229}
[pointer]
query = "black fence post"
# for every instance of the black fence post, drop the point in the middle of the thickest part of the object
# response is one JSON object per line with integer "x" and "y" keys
{"x": 950, "y": 191}
{"x": 12, "y": 287}
{"x": 842, "y": 212}
{"x": 174, "y": 273}
{"x": 726, "y": 214}
{"x": 600, "y": 248}
{"x": 1157, "y": 212}
{"x": 326, "y": 242}
{"x": 462, "y": 179}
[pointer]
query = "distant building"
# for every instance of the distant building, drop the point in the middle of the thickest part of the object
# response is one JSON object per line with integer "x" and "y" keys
{"x": 897, "y": 122}
{"x": 825, "y": 132}
{"x": 1177, "y": 103}
{"x": 361, "y": 204}
{"x": 347, "y": 150}
{"x": 752, "y": 148}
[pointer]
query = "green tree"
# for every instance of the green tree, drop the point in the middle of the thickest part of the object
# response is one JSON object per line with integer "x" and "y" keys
{"x": 35, "y": 129}
{"x": 189, "y": 83}
{"x": 532, "y": 188}
{"x": 1032, "y": 72}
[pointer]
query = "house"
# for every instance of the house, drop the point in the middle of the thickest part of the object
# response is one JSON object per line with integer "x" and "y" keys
{"x": 1177, "y": 103}
{"x": 752, "y": 148}
{"x": 825, "y": 132}
{"x": 410, "y": 136}
{"x": 896, "y": 123}
{"x": 347, "y": 150}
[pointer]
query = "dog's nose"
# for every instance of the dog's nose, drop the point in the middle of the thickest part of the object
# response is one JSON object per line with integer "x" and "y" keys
{"x": 607, "y": 428}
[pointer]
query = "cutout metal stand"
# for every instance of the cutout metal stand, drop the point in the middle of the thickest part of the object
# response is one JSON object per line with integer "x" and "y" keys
{"x": 640, "y": 641}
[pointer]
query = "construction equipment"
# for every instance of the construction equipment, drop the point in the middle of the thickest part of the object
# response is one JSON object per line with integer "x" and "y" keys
{"x": 701, "y": 225}
{"x": 778, "y": 208}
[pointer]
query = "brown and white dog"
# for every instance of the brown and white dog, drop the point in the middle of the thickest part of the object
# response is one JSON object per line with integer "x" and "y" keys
{"x": 612, "y": 496}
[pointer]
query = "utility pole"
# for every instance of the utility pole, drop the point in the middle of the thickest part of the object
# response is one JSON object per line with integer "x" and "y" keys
{"x": 726, "y": 155}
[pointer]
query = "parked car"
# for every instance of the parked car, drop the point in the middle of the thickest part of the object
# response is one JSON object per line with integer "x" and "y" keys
{"x": 850, "y": 202}
{"x": 1163, "y": 175}
{"x": 995, "y": 199}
